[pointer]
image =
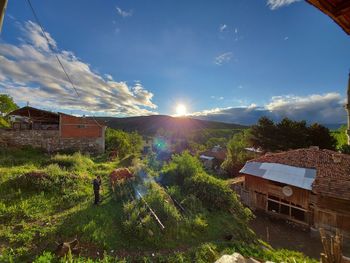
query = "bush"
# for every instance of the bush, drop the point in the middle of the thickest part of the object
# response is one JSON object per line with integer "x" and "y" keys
{"x": 215, "y": 194}
{"x": 206, "y": 253}
{"x": 181, "y": 167}
{"x": 76, "y": 163}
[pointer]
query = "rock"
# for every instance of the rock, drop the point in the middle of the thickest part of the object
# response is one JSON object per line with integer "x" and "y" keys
{"x": 234, "y": 258}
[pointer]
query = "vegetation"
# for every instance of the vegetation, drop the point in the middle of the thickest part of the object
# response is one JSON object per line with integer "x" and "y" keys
{"x": 341, "y": 139}
{"x": 122, "y": 142}
{"x": 289, "y": 134}
{"x": 237, "y": 154}
{"x": 6, "y": 104}
{"x": 46, "y": 199}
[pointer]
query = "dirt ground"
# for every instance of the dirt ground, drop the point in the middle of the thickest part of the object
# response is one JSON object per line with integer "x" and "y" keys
{"x": 283, "y": 235}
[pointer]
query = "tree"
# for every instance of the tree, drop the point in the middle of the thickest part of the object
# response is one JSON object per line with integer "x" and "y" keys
{"x": 7, "y": 104}
{"x": 237, "y": 155}
{"x": 321, "y": 136}
{"x": 289, "y": 134}
{"x": 264, "y": 135}
{"x": 122, "y": 142}
{"x": 345, "y": 149}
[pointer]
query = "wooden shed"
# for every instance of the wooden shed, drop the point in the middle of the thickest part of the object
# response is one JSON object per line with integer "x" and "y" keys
{"x": 307, "y": 186}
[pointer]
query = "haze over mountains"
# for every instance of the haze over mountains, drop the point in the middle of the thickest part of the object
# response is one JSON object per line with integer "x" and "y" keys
{"x": 151, "y": 124}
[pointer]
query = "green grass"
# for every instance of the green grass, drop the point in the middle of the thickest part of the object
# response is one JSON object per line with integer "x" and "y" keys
{"x": 47, "y": 199}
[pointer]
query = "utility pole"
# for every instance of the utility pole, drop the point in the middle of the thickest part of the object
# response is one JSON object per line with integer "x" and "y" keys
{"x": 348, "y": 110}
{"x": 3, "y": 4}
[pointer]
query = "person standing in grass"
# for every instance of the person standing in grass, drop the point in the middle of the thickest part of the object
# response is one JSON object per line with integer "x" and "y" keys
{"x": 97, "y": 186}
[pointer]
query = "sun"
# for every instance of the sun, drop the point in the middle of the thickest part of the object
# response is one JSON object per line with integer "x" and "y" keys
{"x": 181, "y": 110}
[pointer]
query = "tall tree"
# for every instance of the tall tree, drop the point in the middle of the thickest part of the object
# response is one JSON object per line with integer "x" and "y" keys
{"x": 292, "y": 134}
{"x": 289, "y": 134}
{"x": 321, "y": 136}
{"x": 264, "y": 135}
{"x": 6, "y": 104}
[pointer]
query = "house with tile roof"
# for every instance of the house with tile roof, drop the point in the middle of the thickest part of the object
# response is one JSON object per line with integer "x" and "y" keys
{"x": 308, "y": 186}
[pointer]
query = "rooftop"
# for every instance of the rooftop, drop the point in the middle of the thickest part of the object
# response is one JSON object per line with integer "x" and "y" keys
{"x": 332, "y": 169}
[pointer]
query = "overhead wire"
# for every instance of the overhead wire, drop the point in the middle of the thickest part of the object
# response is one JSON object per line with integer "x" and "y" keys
{"x": 50, "y": 46}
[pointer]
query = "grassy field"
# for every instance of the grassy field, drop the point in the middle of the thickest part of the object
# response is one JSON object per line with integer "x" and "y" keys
{"x": 47, "y": 199}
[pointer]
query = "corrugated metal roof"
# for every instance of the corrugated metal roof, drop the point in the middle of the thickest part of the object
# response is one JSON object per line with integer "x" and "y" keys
{"x": 206, "y": 157}
{"x": 291, "y": 175}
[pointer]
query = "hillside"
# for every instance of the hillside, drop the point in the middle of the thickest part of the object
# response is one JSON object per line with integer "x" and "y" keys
{"x": 151, "y": 124}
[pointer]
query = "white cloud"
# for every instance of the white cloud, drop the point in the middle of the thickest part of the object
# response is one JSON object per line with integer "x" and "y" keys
{"x": 223, "y": 58}
{"x": 275, "y": 4}
{"x": 123, "y": 13}
{"x": 222, "y": 27}
{"x": 326, "y": 108}
{"x": 217, "y": 98}
{"x": 31, "y": 73}
{"x": 285, "y": 38}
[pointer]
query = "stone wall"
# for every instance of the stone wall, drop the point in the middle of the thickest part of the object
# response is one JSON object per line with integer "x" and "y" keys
{"x": 50, "y": 141}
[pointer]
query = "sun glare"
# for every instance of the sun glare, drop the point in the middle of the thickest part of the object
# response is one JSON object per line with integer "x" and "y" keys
{"x": 181, "y": 110}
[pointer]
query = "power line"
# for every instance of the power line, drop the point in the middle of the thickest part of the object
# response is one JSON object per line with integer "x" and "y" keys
{"x": 55, "y": 53}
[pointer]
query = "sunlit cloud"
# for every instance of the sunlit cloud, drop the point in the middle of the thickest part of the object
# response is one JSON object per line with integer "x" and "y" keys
{"x": 223, "y": 58}
{"x": 30, "y": 72}
{"x": 275, "y": 4}
{"x": 123, "y": 13}
{"x": 222, "y": 27}
{"x": 325, "y": 108}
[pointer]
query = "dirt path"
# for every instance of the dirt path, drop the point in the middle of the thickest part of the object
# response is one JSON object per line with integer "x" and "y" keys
{"x": 282, "y": 235}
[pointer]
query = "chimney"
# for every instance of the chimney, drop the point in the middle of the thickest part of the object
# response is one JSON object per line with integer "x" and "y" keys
{"x": 314, "y": 148}
{"x": 336, "y": 158}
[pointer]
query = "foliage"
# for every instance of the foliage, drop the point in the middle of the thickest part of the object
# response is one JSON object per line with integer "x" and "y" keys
{"x": 342, "y": 139}
{"x": 4, "y": 123}
{"x": 76, "y": 162}
{"x": 182, "y": 166}
{"x": 36, "y": 213}
{"x": 216, "y": 194}
{"x": 6, "y": 104}
{"x": 236, "y": 153}
{"x": 345, "y": 149}
{"x": 289, "y": 134}
{"x": 122, "y": 142}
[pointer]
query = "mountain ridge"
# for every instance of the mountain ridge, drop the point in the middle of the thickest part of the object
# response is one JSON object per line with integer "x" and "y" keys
{"x": 152, "y": 123}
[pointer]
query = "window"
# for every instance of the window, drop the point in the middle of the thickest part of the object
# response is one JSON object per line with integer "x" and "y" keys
{"x": 286, "y": 208}
{"x": 81, "y": 126}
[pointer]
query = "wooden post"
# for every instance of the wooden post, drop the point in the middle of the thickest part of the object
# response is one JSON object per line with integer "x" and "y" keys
{"x": 332, "y": 247}
{"x": 3, "y": 4}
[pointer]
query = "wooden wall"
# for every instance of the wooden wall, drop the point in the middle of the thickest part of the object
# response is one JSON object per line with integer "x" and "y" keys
{"x": 300, "y": 196}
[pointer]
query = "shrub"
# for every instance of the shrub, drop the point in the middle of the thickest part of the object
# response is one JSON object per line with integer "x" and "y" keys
{"x": 215, "y": 194}
{"x": 75, "y": 163}
{"x": 206, "y": 253}
{"x": 181, "y": 167}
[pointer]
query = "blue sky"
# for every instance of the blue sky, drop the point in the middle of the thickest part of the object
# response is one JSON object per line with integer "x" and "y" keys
{"x": 225, "y": 60}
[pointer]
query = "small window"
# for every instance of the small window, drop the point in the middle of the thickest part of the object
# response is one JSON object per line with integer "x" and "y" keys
{"x": 81, "y": 126}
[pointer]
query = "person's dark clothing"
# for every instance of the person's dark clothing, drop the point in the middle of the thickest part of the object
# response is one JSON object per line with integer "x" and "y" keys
{"x": 97, "y": 185}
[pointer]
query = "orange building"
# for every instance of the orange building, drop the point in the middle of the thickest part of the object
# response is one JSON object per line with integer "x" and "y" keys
{"x": 53, "y": 131}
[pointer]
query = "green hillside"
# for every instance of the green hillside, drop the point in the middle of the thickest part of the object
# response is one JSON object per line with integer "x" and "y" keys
{"x": 46, "y": 200}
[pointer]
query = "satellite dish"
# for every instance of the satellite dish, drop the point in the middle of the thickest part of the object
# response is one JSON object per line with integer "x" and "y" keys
{"x": 287, "y": 191}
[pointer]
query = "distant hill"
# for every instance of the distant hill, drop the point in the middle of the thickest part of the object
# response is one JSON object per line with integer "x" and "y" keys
{"x": 151, "y": 124}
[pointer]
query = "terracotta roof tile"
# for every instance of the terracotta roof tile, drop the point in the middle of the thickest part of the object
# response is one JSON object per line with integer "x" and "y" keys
{"x": 333, "y": 168}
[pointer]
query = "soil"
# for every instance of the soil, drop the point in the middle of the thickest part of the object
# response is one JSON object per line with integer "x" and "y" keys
{"x": 281, "y": 234}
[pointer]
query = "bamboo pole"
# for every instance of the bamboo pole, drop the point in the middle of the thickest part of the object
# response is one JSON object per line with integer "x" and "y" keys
{"x": 151, "y": 210}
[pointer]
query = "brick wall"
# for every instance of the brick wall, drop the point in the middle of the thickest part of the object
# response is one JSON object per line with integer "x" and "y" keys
{"x": 75, "y": 127}
{"x": 50, "y": 141}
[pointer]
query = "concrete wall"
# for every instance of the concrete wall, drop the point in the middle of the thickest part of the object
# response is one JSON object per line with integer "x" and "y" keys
{"x": 50, "y": 141}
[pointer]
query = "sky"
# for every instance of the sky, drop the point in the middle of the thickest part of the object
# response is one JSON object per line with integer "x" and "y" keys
{"x": 231, "y": 61}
